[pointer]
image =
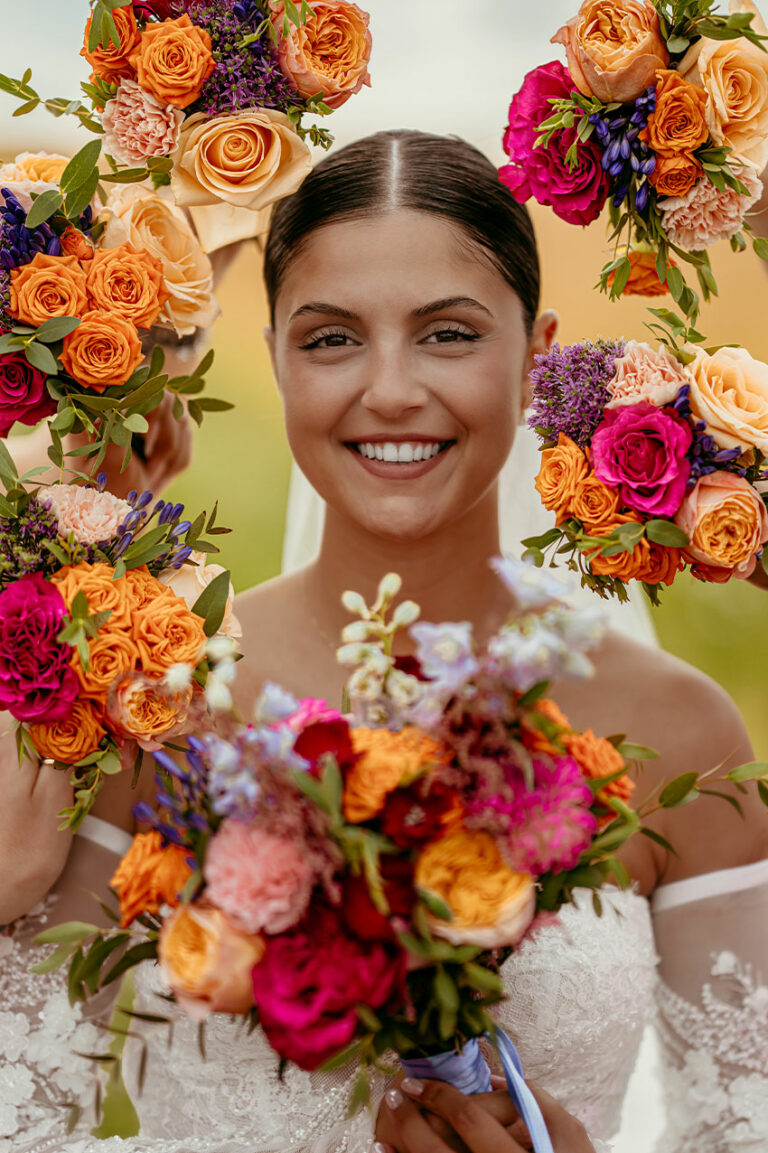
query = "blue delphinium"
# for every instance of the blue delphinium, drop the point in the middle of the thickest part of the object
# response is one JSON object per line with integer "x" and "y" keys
{"x": 143, "y": 511}
{"x": 569, "y": 388}
{"x": 19, "y": 244}
{"x": 625, "y": 156}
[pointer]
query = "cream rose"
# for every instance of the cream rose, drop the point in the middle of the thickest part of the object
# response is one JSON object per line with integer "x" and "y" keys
{"x": 729, "y": 392}
{"x": 32, "y": 172}
{"x": 150, "y": 220}
{"x": 249, "y": 160}
{"x": 191, "y": 580}
{"x": 734, "y": 74}
{"x": 645, "y": 373}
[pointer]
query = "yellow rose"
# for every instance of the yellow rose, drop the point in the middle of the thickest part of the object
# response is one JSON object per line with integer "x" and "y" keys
{"x": 207, "y": 961}
{"x": 248, "y": 160}
{"x": 614, "y": 48}
{"x": 492, "y": 905}
{"x": 734, "y": 74}
{"x": 729, "y": 392}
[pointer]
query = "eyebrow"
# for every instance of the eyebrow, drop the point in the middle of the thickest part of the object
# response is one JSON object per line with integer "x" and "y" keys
{"x": 322, "y": 308}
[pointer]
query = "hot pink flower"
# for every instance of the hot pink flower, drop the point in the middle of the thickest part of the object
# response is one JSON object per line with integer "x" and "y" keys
{"x": 23, "y": 395}
{"x": 262, "y": 882}
{"x": 705, "y": 215}
{"x": 92, "y": 516}
{"x": 137, "y": 126}
{"x": 641, "y": 450}
{"x": 37, "y": 681}
{"x": 312, "y": 711}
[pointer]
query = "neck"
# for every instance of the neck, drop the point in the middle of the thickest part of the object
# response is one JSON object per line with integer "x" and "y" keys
{"x": 446, "y": 573}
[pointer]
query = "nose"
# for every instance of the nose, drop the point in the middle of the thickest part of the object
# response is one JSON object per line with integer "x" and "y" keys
{"x": 391, "y": 388}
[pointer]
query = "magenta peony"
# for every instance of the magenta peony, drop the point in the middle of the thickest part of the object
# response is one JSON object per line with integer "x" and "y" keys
{"x": 23, "y": 395}
{"x": 310, "y": 981}
{"x": 641, "y": 450}
{"x": 576, "y": 195}
{"x": 37, "y": 681}
{"x": 137, "y": 126}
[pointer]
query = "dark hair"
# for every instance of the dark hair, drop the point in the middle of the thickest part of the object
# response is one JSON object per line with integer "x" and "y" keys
{"x": 402, "y": 169}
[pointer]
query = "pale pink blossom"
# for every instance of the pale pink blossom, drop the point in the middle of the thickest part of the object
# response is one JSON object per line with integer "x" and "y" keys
{"x": 705, "y": 215}
{"x": 137, "y": 126}
{"x": 92, "y": 516}
{"x": 645, "y": 373}
{"x": 261, "y": 881}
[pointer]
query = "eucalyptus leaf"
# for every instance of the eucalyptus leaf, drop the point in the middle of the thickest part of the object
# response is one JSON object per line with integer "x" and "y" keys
{"x": 212, "y": 603}
{"x": 754, "y": 771}
{"x": 57, "y": 328}
{"x": 81, "y": 166}
{"x": 68, "y": 933}
{"x": 679, "y": 790}
{"x": 43, "y": 207}
{"x": 667, "y": 533}
{"x": 40, "y": 356}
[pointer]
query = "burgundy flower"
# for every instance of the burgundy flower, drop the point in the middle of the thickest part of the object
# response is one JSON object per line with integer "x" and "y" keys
{"x": 417, "y": 814}
{"x": 361, "y": 916}
{"x": 159, "y": 9}
{"x": 576, "y": 195}
{"x": 23, "y": 395}
{"x": 641, "y": 450}
{"x": 37, "y": 681}
{"x": 326, "y": 738}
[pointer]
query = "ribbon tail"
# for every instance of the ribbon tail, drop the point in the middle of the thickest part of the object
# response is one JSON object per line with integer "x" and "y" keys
{"x": 522, "y": 1097}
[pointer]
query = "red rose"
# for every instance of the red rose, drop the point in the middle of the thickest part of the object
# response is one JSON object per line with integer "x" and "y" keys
{"x": 323, "y": 739}
{"x": 417, "y": 814}
{"x": 361, "y": 915}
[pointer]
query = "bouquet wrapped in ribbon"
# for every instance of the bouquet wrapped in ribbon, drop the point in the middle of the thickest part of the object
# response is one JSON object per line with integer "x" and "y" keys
{"x": 661, "y": 111}
{"x": 101, "y": 601}
{"x": 653, "y": 461}
{"x": 353, "y": 883}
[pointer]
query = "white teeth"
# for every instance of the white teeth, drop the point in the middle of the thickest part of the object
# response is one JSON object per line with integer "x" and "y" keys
{"x": 390, "y": 452}
{"x": 418, "y": 452}
{"x": 403, "y": 453}
{"x": 379, "y": 452}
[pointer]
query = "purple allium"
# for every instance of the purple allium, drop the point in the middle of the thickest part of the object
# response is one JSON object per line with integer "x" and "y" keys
{"x": 22, "y": 543}
{"x": 705, "y": 454}
{"x": 18, "y": 244}
{"x": 625, "y": 156}
{"x": 243, "y": 77}
{"x": 569, "y": 389}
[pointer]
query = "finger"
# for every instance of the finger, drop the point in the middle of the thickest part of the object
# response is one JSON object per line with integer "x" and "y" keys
{"x": 411, "y": 1132}
{"x": 481, "y": 1132}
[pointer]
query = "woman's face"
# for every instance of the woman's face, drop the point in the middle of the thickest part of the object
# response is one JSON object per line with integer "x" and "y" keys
{"x": 402, "y": 357}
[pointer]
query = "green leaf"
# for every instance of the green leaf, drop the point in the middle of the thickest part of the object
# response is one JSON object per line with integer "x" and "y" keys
{"x": 760, "y": 245}
{"x": 79, "y": 198}
{"x": 29, "y": 106}
{"x": 678, "y": 790}
{"x": 81, "y": 166}
{"x": 361, "y": 1093}
{"x": 68, "y": 933}
{"x": 678, "y": 44}
{"x": 621, "y": 277}
{"x": 762, "y": 790}
{"x": 53, "y": 961}
{"x": 44, "y": 207}
{"x": 484, "y": 980}
{"x": 675, "y": 281}
{"x": 633, "y": 752}
{"x": 7, "y": 465}
{"x": 57, "y": 328}
{"x": 110, "y": 764}
{"x": 667, "y": 533}
{"x": 40, "y": 356}
{"x": 212, "y": 602}
{"x": 732, "y": 801}
{"x": 436, "y": 905}
{"x": 754, "y": 771}
{"x": 136, "y": 423}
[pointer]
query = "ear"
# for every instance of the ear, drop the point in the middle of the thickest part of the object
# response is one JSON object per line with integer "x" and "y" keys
{"x": 544, "y": 332}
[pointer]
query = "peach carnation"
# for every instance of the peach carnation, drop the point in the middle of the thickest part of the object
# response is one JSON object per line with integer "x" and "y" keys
{"x": 645, "y": 373}
{"x": 92, "y": 516}
{"x": 137, "y": 125}
{"x": 705, "y": 214}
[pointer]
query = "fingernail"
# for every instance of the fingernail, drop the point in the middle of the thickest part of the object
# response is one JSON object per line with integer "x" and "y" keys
{"x": 394, "y": 1098}
{"x": 411, "y": 1086}
{"x": 377, "y": 1147}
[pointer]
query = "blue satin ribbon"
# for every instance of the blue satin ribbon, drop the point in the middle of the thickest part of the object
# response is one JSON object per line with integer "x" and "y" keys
{"x": 469, "y": 1072}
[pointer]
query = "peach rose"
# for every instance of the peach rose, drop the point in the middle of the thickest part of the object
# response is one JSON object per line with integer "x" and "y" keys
{"x": 141, "y": 709}
{"x": 594, "y": 503}
{"x": 645, "y": 373}
{"x": 385, "y": 761}
{"x": 102, "y": 592}
{"x": 248, "y": 160}
{"x": 104, "y": 350}
{"x": 112, "y": 654}
{"x": 112, "y": 62}
{"x": 652, "y": 563}
{"x": 173, "y": 60}
{"x": 48, "y": 286}
{"x": 561, "y": 470}
{"x": 726, "y": 523}
{"x": 328, "y": 54}
{"x": 678, "y": 122}
{"x": 167, "y": 633}
{"x": 129, "y": 282}
{"x": 75, "y": 243}
{"x": 207, "y": 961}
{"x": 614, "y": 48}
{"x": 144, "y": 588}
{"x": 189, "y": 581}
{"x": 675, "y": 175}
{"x": 90, "y": 515}
{"x": 68, "y": 741}
{"x": 492, "y": 905}
{"x": 150, "y": 220}
{"x": 643, "y": 277}
{"x": 729, "y": 392}
{"x": 32, "y": 172}
{"x": 734, "y": 74}
{"x": 598, "y": 758}
{"x": 138, "y": 127}
{"x": 150, "y": 875}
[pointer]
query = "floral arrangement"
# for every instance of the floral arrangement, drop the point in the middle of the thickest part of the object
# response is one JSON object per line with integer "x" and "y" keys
{"x": 653, "y": 461}
{"x": 101, "y": 601}
{"x": 661, "y": 113}
{"x": 352, "y": 883}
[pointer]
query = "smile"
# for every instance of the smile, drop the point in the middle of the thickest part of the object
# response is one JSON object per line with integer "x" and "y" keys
{"x": 402, "y": 452}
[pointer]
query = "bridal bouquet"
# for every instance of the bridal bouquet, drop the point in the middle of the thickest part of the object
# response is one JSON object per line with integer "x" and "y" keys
{"x": 652, "y": 463}
{"x": 100, "y": 600}
{"x": 661, "y": 112}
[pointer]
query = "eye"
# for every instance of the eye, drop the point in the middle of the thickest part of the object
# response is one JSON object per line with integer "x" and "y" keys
{"x": 452, "y": 333}
{"x": 328, "y": 338}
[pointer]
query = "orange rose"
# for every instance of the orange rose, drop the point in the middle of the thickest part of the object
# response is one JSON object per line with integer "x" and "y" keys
{"x": 128, "y": 281}
{"x": 652, "y": 563}
{"x": 207, "y": 961}
{"x": 144, "y": 588}
{"x": 674, "y": 176}
{"x": 104, "y": 350}
{"x": 113, "y": 653}
{"x": 643, "y": 277}
{"x": 141, "y": 709}
{"x": 167, "y": 633}
{"x": 594, "y": 503}
{"x": 598, "y": 758}
{"x": 385, "y": 761}
{"x": 679, "y": 121}
{"x": 48, "y": 286}
{"x": 111, "y": 63}
{"x": 77, "y": 736}
{"x": 101, "y": 591}
{"x": 173, "y": 61}
{"x": 328, "y": 54}
{"x": 534, "y": 739}
{"x": 614, "y": 48}
{"x": 150, "y": 874}
{"x": 75, "y": 243}
{"x": 561, "y": 470}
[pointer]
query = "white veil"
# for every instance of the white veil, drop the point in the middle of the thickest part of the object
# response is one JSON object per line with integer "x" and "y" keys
{"x": 521, "y": 515}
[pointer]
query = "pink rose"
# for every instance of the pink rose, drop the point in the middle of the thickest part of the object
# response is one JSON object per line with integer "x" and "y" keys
{"x": 645, "y": 373}
{"x": 92, "y": 516}
{"x": 576, "y": 195}
{"x": 726, "y": 523}
{"x": 312, "y": 711}
{"x": 23, "y": 395}
{"x": 262, "y": 882}
{"x": 37, "y": 681}
{"x": 705, "y": 215}
{"x": 137, "y": 126}
{"x": 641, "y": 450}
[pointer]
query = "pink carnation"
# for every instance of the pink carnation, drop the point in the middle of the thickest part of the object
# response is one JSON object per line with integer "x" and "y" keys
{"x": 92, "y": 516}
{"x": 137, "y": 126}
{"x": 705, "y": 215}
{"x": 645, "y": 373}
{"x": 262, "y": 882}
{"x": 312, "y": 711}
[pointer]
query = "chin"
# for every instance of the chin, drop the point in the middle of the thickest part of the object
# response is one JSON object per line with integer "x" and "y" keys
{"x": 403, "y": 521}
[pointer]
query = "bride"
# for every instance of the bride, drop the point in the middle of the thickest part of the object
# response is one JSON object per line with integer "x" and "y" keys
{"x": 404, "y": 286}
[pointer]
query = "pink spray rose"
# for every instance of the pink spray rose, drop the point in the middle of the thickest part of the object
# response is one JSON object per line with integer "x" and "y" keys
{"x": 641, "y": 450}
{"x": 92, "y": 516}
{"x": 23, "y": 395}
{"x": 575, "y": 195}
{"x": 705, "y": 215}
{"x": 138, "y": 126}
{"x": 312, "y": 711}
{"x": 37, "y": 681}
{"x": 645, "y": 373}
{"x": 310, "y": 981}
{"x": 262, "y": 882}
